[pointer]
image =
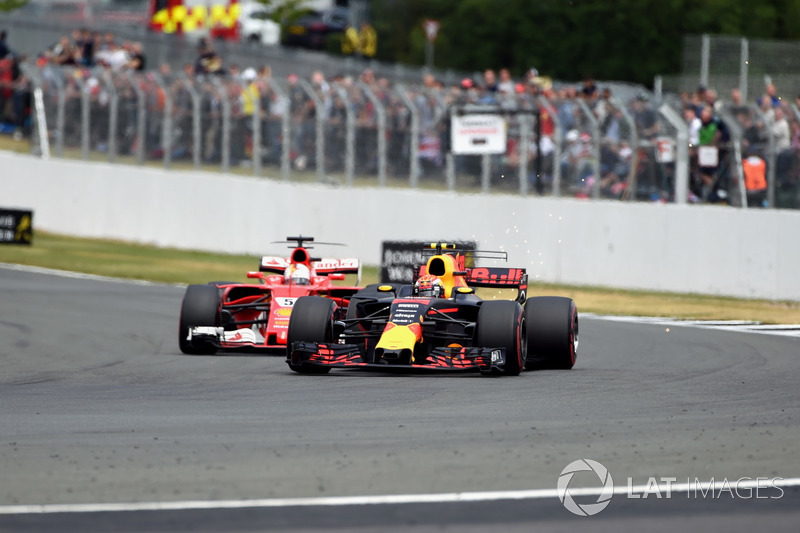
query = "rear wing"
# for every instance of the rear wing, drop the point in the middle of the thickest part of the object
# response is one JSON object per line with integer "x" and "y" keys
{"x": 327, "y": 266}
{"x": 322, "y": 267}
{"x": 273, "y": 264}
{"x": 500, "y": 277}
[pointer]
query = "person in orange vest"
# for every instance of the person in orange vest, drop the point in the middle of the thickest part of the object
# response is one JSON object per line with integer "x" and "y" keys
{"x": 755, "y": 180}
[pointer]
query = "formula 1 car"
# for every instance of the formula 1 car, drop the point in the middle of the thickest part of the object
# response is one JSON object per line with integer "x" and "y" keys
{"x": 231, "y": 315}
{"x": 438, "y": 323}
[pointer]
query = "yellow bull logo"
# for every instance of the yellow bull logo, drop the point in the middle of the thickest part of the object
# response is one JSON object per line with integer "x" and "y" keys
{"x": 24, "y": 230}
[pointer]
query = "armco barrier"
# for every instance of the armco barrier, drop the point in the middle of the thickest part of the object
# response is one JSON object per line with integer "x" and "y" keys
{"x": 698, "y": 249}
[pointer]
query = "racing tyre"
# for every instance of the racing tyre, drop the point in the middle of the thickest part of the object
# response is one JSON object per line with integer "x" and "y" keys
{"x": 200, "y": 307}
{"x": 501, "y": 324}
{"x": 552, "y": 332}
{"x": 311, "y": 321}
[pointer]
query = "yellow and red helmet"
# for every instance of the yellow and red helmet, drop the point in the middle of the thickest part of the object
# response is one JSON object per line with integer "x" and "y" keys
{"x": 429, "y": 286}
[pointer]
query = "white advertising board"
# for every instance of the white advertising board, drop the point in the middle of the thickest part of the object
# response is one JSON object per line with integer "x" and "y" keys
{"x": 478, "y": 134}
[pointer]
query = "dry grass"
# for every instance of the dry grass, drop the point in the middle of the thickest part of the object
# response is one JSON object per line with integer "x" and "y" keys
{"x": 133, "y": 261}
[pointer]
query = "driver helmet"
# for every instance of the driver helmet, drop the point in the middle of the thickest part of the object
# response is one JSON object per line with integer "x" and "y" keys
{"x": 429, "y": 287}
{"x": 297, "y": 275}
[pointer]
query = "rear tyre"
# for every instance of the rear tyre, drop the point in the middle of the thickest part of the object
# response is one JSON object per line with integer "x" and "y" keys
{"x": 311, "y": 321}
{"x": 220, "y": 283}
{"x": 501, "y": 324}
{"x": 200, "y": 307}
{"x": 552, "y": 332}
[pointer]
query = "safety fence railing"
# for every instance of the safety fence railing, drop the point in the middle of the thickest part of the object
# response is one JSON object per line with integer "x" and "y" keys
{"x": 353, "y": 132}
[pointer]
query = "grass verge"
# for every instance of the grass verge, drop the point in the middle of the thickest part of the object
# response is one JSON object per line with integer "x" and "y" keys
{"x": 136, "y": 261}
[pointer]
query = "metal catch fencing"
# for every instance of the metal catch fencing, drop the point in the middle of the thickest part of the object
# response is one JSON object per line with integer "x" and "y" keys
{"x": 356, "y": 133}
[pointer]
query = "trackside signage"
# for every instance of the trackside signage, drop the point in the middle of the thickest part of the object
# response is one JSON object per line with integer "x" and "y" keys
{"x": 478, "y": 134}
{"x": 16, "y": 226}
{"x": 400, "y": 259}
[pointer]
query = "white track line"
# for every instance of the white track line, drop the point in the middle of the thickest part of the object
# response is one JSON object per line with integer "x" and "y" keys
{"x": 397, "y": 499}
{"x": 742, "y": 326}
{"x": 76, "y": 275}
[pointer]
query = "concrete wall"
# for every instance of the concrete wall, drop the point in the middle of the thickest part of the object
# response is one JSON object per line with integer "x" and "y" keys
{"x": 700, "y": 249}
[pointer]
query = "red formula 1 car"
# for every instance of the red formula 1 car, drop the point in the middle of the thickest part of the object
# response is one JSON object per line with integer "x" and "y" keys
{"x": 230, "y": 315}
{"x": 438, "y": 323}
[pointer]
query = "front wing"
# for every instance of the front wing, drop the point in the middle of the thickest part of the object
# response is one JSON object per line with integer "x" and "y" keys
{"x": 484, "y": 360}
{"x": 229, "y": 339}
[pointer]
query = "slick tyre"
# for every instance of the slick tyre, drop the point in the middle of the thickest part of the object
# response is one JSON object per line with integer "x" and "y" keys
{"x": 311, "y": 321}
{"x": 200, "y": 307}
{"x": 501, "y": 324}
{"x": 552, "y": 332}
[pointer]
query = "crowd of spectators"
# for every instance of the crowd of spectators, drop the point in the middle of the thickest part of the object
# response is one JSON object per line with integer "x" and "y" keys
{"x": 591, "y": 139}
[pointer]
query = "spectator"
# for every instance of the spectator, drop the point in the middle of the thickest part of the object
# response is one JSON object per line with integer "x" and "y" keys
{"x": 567, "y": 108}
{"x": 112, "y": 56}
{"x": 137, "y": 60}
{"x": 4, "y": 49}
{"x": 589, "y": 89}
{"x": 771, "y": 95}
{"x": 64, "y": 53}
{"x": 603, "y": 106}
{"x": 645, "y": 118}
{"x": 84, "y": 46}
{"x": 709, "y": 136}
{"x": 712, "y": 100}
{"x": 207, "y": 62}
{"x": 737, "y": 105}
{"x": 506, "y": 84}
{"x": 489, "y": 81}
{"x": 694, "y": 124}
{"x": 781, "y": 131}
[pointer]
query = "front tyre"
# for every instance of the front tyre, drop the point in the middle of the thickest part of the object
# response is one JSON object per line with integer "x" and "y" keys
{"x": 200, "y": 307}
{"x": 501, "y": 324}
{"x": 552, "y": 332}
{"x": 311, "y": 321}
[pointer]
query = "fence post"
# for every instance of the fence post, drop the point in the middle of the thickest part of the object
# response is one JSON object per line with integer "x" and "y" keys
{"x": 166, "y": 123}
{"x": 197, "y": 146}
{"x": 744, "y": 63}
{"x": 558, "y": 134}
{"x": 286, "y": 127}
{"x": 350, "y": 135}
{"x": 681, "y": 153}
{"x": 85, "y": 118}
{"x": 381, "y": 111}
{"x": 41, "y": 120}
{"x": 595, "y": 127}
{"x": 113, "y": 114}
{"x": 630, "y": 190}
{"x": 523, "y": 119}
{"x": 413, "y": 176}
{"x": 226, "y": 122}
{"x": 319, "y": 117}
{"x": 771, "y": 159}
{"x": 55, "y": 76}
{"x": 705, "y": 52}
{"x": 141, "y": 117}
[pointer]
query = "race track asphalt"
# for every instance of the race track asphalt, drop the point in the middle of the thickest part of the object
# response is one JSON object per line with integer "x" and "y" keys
{"x": 98, "y": 406}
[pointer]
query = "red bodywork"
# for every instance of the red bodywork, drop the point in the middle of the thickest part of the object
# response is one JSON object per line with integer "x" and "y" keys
{"x": 257, "y": 315}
